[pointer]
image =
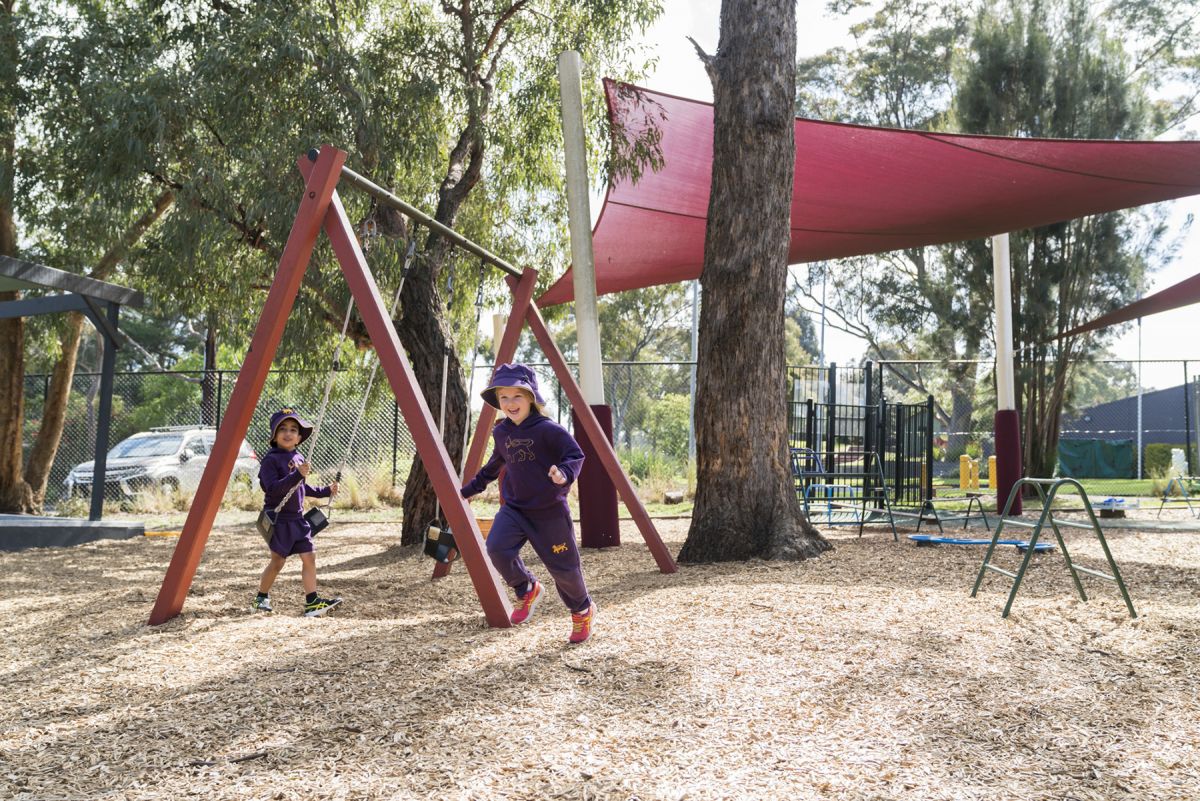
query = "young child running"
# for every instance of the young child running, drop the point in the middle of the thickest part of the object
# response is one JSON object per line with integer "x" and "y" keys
{"x": 283, "y": 467}
{"x": 540, "y": 460}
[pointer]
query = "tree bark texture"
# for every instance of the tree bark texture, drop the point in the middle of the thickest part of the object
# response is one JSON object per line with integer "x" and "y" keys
{"x": 426, "y": 336}
{"x": 745, "y": 502}
{"x": 15, "y": 496}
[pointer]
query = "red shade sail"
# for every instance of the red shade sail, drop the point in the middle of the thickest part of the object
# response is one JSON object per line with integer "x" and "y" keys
{"x": 862, "y": 190}
{"x": 1185, "y": 293}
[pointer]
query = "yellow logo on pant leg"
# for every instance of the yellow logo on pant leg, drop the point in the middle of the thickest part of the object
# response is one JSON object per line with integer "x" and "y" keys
{"x": 560, "y": 548}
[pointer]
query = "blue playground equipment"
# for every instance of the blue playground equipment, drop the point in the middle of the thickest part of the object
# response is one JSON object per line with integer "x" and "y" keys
{"x": 1021, "y": 545}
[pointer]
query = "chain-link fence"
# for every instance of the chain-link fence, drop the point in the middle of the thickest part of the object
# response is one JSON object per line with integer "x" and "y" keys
{"x": 365, "y": 437}
{"x": 182, "y": 405}
{"x": 1114, "y": 427}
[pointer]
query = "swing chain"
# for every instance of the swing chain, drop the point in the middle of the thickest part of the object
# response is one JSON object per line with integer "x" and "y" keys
{"x": 479, "y": 291}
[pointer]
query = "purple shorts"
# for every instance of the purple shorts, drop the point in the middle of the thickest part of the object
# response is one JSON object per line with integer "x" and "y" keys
{"x": 292, "y": 535}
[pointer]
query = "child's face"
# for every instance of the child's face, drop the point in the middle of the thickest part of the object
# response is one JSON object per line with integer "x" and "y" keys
{"x": 515, "y": 403}
{"x": 287, "y": 436}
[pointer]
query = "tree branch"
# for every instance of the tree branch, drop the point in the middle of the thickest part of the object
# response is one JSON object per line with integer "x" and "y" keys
{"x": 709, "y": 62}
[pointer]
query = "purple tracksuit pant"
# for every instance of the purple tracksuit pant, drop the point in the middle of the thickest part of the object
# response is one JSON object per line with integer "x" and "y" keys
{"x": 552, "y": 535}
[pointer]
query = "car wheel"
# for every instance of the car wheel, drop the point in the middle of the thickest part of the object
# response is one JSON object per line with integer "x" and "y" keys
{"x": 169, "y": 485}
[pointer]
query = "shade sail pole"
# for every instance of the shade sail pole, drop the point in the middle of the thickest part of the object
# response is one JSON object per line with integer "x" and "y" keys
{"x": 1007, "y": 428}
{"x": 591, "y": 381}
{"x": 599, "y": 524}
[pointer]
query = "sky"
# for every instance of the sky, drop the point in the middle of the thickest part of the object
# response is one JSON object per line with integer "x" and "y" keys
{"x": 1170, "y": 335}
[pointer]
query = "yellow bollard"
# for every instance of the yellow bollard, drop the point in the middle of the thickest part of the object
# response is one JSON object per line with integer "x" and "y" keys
{"x": 991, "y": 472}
{"x": 975, "y": 474}
{"x": 964, "y": 471}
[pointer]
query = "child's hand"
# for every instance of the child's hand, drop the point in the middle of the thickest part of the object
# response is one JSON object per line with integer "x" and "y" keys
{"x": 557, "y": 476}
{"x": 333, "y": 488}
{"x": 304, "y": 469}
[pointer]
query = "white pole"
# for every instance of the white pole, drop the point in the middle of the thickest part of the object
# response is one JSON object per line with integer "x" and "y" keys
{"x": 692, "y": 381}
{"x": 1006, "y": 428}
{"x": 1139, "y": 405}
{"x": 591, "y": 379}
{"x": 1006, "y": 393}
{"x": 824, "y": 281}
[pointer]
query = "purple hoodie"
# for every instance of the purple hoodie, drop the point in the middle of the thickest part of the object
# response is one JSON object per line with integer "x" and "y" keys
{"x": 277, "y": 474}
{"x": 526, "y": 451}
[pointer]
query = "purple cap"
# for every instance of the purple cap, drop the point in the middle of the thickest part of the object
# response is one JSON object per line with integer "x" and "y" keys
{"x": 306, "y": 428}
{"x": 512, "y": 375}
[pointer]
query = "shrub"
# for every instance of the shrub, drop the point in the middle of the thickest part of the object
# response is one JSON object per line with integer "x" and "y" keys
{"x": 1156, "y": 460}
{"x": 667, "y": 425}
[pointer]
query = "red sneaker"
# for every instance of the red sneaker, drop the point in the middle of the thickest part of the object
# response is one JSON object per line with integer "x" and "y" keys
{"x": 581, "y": 624}
{"x": 526, "y": 605}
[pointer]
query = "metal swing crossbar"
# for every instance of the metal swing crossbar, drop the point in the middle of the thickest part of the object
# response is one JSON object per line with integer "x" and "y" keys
{"x": 1047, "y": 499}
{"x": 321, "y": 210}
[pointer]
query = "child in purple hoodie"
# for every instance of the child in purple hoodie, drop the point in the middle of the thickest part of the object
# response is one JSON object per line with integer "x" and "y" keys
{"x": 540, "y": 460}
{"x": 282, "y": 475}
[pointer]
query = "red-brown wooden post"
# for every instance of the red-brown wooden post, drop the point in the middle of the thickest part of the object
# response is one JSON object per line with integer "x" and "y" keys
{"x": 488, "y": 584}
{"x": 321, "y": 178}
{"x": 666, "y": 563}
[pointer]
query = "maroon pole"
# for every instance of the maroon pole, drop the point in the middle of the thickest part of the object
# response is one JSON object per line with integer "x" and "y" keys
{"x": 320, "y": 180}
{"x": 1008, "y": 458}
{"x": 488, "y": 585}
{"x": 599, "y": 526}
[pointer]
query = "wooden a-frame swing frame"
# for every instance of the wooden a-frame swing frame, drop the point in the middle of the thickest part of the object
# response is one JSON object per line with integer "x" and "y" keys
{"x": 321, "y": 208}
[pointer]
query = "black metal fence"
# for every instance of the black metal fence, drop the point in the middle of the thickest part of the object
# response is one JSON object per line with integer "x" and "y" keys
{"x": 839, "y": 415}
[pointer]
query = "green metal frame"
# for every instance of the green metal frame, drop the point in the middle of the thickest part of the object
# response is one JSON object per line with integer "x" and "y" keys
{"x": 1047, "y": 498}
{"x": 1184, "y": 497}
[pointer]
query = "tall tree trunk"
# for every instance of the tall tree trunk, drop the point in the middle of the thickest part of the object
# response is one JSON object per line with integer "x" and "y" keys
{"x": 426, "y": 335}
{"x": 15, "y": 496}
{"x": 745, "y": 502}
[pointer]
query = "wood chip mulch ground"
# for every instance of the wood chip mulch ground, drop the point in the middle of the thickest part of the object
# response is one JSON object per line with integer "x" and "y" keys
{"x": 868, "y": 673}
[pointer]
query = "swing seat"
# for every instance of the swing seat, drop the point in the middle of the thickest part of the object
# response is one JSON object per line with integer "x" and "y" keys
{"x": 317, "y": 520}
{"x": 439, "y": 545}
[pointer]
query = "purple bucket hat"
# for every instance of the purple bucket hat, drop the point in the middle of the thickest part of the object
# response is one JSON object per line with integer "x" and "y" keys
{"x": 512, "y": 375}
{"x": 306, "y": 428}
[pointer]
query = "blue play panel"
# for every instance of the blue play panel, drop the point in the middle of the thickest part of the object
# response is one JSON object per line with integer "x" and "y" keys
{"x": 1021, "y": 545}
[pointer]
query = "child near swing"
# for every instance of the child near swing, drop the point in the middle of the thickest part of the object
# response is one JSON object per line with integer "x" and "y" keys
{"x": 284, "y": 470}
{"x": 540, "y": 460}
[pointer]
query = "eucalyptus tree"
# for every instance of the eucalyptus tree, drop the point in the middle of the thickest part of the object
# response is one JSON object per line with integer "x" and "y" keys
{"x": 1018, "y": 68}
{"x": 207, "y": 107}
{"x": 746, "y": 505}
{"x": 72, "y": 212}
{"x": 914, "y": 303}
{"x": 1050, "y": 69}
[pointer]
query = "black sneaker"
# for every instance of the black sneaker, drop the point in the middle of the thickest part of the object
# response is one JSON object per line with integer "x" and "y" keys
{"x": 319, "y": 606}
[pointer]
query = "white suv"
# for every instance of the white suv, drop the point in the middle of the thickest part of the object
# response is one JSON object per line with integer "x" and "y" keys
{"x": 169, "y": 458}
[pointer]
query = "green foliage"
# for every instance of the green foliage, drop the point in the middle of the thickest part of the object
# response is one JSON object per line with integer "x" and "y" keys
{"x": 667, "y": 426}
{"x": 1156, "y": 459}
{"x": 645, "y": 465}
{"x": 161, "y": 396}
